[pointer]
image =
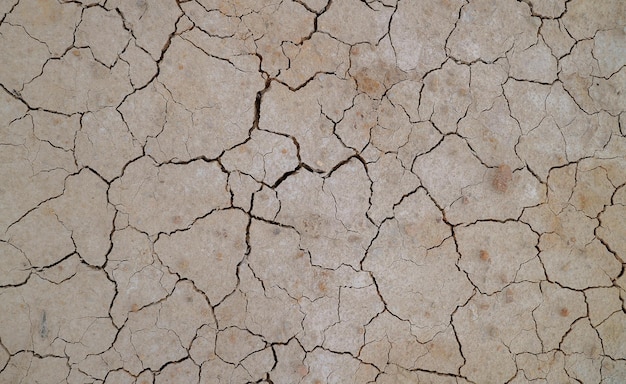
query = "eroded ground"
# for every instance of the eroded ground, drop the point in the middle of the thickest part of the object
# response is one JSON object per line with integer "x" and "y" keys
{"x": 312, "y": 191}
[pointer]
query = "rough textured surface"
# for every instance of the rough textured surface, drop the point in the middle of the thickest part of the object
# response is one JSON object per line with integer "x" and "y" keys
{"x": 312, "y": 191}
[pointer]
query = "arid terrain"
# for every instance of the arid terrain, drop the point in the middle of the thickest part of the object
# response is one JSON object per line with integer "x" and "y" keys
{"x": 312, "y": 191}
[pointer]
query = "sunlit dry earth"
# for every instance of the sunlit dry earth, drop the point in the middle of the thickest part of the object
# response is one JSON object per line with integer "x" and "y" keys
{"x": 312, "y": 191}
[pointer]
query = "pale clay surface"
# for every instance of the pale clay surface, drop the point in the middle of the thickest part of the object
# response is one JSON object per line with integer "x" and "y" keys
{"x": 312, "y": 191}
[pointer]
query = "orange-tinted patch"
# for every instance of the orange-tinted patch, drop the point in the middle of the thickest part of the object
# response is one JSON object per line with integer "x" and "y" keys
{"x": 502, "y": 178}
{"x": 302, "y": 370}
{"x": 411, "y": 229}
{"x": 183, "y": 264}
{"x": 367, "y": 84}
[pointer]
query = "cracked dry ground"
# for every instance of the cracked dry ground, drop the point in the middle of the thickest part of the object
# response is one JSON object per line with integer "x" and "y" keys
{"x": 312, "y": 191}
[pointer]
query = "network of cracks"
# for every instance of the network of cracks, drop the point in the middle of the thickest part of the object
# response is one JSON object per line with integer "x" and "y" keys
{"x": 312, "y": 191}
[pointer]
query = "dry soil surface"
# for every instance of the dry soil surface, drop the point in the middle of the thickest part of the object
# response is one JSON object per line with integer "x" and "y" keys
{"x": 312, "y": 191}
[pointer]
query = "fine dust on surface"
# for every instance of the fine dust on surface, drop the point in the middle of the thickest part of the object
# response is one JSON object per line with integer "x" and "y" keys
{"x": 312, "y": 191}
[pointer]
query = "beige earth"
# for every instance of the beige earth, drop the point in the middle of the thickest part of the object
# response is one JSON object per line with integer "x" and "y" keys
{"x": 312, "y": 191}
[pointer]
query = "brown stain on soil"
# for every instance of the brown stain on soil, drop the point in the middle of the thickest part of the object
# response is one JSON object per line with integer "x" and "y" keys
{"x": 367, "y": 84}
{"x": 322, "y": 286}
{"x": 502, "y": 178}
